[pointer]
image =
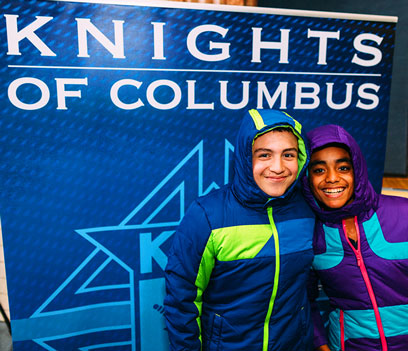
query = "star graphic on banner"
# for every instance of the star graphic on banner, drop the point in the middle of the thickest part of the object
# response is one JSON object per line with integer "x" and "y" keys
{"x": 124, "y": 273}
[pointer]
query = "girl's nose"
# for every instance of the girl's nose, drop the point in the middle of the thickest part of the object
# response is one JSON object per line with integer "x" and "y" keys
{"x": 332, "y": 176}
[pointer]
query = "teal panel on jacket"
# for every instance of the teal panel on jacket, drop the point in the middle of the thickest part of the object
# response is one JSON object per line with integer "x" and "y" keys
{"x": 362, "y": 323}
{"x": 381, "y": 247}
{"x": 334, "y": 250}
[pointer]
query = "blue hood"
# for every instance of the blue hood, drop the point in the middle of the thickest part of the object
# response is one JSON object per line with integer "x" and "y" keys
{"x": 257, "y": 122}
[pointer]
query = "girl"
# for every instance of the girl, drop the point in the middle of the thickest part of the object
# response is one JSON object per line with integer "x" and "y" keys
{"x": 360, "y": 246}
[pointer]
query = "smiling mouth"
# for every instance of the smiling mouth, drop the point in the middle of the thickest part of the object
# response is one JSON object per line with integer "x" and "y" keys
{"x": 333, "y": 191}
{"x": 276, "y": 179}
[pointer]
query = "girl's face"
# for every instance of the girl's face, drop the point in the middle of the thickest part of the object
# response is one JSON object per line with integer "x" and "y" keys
{"x": 331, "y": 177}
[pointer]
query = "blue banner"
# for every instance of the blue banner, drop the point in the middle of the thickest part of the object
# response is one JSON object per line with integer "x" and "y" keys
{"x": 115, "y": 117}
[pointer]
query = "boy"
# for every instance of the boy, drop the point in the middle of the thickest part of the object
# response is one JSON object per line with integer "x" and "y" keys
{"x": 236, "y": 275}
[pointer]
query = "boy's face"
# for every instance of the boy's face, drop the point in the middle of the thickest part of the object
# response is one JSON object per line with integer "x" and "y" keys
{"x": 275, "y": 161}
{"x": 331, "y": 177}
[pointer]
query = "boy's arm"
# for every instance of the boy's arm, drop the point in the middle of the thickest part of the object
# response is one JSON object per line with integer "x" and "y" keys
{"x": 187, "y": 276}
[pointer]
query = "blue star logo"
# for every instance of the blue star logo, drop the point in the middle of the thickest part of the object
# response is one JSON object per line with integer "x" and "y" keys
{"x": 123, "y": 275}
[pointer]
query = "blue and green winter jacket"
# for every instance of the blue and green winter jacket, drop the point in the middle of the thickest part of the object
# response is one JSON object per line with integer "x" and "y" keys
{"x": 237, "y": 272}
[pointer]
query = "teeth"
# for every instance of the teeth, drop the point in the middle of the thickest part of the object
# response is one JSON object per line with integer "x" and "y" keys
{"x": 333, "y": 191}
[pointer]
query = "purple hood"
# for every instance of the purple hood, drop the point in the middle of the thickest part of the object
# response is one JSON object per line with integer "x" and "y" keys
{"x": 366, "y": 198}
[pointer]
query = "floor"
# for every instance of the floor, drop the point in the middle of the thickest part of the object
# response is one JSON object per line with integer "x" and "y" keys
{"x": 395, "y": 182}
{"x": 397, "y": 186}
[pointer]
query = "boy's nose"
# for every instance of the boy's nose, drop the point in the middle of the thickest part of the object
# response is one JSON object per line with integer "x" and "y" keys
{"x": 276, "y": 165}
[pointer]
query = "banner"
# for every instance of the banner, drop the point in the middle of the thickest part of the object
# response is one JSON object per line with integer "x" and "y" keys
{"x": 116, "y": 116}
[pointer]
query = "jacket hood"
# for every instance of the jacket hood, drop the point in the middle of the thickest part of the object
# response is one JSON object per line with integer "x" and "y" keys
{"x": 256, "y": 123}
{"x": 365, "y": 198}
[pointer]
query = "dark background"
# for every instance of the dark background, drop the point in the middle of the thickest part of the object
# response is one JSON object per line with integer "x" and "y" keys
{"x": 396, "y": 150}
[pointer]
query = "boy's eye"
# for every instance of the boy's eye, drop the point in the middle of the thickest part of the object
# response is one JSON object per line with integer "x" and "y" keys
{"x": 289, "y": 155}
{"x": 317, "y": 170}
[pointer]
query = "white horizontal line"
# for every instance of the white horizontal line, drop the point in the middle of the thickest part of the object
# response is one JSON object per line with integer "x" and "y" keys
{"x": 395, "y": 189}
{"x": 244, "y": 9}
{"x": 197, "y": 70}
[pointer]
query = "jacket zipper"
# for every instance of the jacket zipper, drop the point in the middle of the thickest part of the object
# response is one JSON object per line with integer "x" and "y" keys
{"x": 363, "y": 270}
{"x": 275, "y": 281}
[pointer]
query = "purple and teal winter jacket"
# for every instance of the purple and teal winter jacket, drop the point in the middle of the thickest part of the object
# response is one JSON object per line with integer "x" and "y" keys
{"x": 367, "y": 287}
{"x": 238, "y": 268}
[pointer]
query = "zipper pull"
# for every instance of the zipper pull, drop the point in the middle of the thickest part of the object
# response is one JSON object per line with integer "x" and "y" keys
{"x": 358, "y": 258}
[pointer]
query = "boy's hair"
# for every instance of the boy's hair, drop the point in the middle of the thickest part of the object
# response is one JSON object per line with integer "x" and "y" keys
{"x": 283, "y": 129}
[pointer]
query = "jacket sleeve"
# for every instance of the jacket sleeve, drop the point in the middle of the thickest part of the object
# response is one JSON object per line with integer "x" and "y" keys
{"x": 319, "y": 332}
{"x": 187, "y": 273}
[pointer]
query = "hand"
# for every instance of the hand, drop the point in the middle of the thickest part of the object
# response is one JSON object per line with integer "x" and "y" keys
{"x": 323, "y": 348}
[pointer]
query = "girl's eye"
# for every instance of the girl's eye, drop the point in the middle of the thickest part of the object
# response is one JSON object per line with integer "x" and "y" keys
{"x": 317, "y": 170}
{"x": 345, "y": 168}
